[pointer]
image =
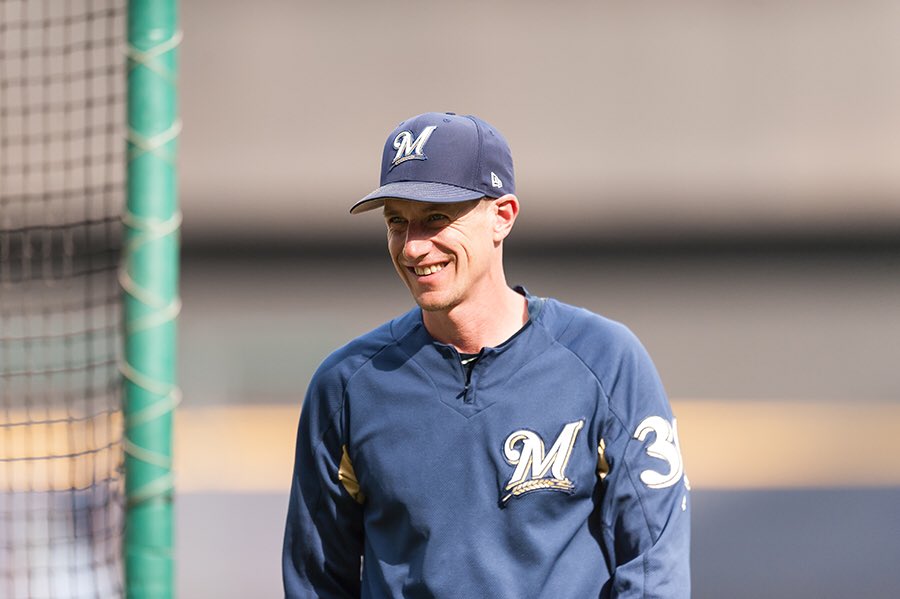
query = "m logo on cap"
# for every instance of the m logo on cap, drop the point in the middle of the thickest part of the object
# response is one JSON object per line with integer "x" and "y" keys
{"x": 409, "y": 149}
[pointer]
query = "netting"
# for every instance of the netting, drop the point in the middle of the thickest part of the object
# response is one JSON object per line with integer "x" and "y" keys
{"x": 62, "y": 112}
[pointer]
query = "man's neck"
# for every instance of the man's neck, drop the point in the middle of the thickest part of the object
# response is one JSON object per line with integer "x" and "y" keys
{"x": 485, "y": 321}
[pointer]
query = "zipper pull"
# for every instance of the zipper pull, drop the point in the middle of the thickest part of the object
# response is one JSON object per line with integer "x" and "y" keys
{"x": 466, "y": 398}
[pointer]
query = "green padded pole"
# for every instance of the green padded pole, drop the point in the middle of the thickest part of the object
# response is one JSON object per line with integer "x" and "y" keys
{"x": 149, "y": 278}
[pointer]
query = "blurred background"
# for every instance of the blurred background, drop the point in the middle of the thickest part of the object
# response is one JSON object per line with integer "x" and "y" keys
{"x": 720, "y": 176}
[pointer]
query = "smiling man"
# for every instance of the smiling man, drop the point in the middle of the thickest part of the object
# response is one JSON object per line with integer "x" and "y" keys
{"x": 489, "y": 442}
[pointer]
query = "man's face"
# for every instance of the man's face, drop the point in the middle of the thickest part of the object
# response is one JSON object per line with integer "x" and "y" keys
{"x": 442, "y": 252}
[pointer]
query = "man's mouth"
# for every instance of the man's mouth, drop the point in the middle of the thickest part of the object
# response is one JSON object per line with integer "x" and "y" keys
{"x": 428, "y": 270}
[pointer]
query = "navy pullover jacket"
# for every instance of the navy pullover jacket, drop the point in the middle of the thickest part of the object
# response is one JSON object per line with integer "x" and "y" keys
{"x": 551, "y": 470}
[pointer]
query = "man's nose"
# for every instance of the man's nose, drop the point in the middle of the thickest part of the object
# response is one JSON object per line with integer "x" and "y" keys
{"x": 418, "y": 242}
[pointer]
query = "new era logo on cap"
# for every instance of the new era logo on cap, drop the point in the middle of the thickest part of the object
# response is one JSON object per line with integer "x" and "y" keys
{"x": 440, "y": 158}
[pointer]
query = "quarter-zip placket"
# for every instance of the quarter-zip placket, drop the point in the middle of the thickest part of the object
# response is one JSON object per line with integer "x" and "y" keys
{"x": 468, "y": 394}
{"x": 469, "y": 389}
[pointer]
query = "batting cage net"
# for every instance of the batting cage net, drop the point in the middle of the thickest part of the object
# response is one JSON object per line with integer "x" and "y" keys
{"x": 62, "y": 112}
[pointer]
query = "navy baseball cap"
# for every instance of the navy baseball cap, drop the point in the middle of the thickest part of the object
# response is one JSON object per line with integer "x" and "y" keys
{"x": 441, "y": 157}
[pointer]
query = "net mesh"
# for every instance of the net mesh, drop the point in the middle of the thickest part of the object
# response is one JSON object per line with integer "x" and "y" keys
{"x": 62, "y": 112}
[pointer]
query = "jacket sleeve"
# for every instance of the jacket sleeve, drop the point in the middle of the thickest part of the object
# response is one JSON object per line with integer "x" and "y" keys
{"x": 323, "y": 537}
{"x": 645, "y": 494}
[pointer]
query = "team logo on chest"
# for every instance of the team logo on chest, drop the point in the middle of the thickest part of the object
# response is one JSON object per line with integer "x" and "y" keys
{"x": 537, "y": 470}
{"x": 409, "y": 148}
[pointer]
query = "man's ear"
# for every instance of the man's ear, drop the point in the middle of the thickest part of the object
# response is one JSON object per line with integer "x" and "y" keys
{"x": 505, "y": 210}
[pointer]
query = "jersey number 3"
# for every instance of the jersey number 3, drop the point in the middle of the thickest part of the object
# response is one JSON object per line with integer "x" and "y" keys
{"x": 665, "y": 447}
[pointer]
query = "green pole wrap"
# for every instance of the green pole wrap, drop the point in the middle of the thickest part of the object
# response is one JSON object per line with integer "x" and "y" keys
{"x": 149, "y": 279}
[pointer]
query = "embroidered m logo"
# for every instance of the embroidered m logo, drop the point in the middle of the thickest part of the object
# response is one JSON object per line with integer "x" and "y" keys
{"x": 409, "y": 148}
{"x": 537, "y": 470}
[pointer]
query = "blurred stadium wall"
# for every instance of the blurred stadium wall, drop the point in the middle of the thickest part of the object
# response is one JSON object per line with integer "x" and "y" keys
{"x": 626, "y": 120}
{"x": 721, "y": 176}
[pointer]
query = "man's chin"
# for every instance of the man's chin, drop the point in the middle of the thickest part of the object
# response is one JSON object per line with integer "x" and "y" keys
{"x": 433, "y": 306}
{"x": 429, "y": 303}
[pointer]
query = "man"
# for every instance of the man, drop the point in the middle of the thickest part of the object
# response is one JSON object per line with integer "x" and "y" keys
{"x": 487, "y": 443}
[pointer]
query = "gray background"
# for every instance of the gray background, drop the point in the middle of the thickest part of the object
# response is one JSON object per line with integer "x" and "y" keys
{"x": 721, "y": 176}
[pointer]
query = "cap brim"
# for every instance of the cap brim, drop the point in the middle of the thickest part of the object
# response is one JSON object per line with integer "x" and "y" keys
{"x": 417, "y": 191}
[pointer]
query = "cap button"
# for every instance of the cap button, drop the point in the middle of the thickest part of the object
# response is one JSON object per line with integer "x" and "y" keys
{"x": 451, "y": 113}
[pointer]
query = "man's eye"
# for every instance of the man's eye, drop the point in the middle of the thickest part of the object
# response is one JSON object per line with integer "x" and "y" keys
{"x": 396, "y": 220}
{"x": 437, "y": 217}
